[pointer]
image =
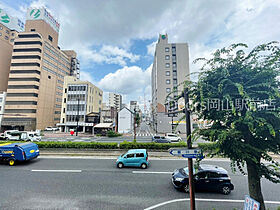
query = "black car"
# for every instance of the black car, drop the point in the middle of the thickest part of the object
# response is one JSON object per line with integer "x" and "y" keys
{"x": 206, "y": 178}
{"x": 160, "y": 139}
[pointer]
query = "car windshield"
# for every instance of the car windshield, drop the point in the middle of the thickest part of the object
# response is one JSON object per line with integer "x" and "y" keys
{"x": 122, "y": 154}
{"x": 186, "y": 171}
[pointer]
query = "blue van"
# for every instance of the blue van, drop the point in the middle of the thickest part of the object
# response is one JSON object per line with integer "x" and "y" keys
{"x": 134, "y": 157}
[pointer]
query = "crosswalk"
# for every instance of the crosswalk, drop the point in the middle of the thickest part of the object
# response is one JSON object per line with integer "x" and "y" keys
{"x": 144, "y": 134}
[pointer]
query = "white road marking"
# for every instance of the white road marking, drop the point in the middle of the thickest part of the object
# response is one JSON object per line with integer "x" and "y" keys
{"x": 205, "y": 200}
{"x": 151, "y": 172}
{"x": 59, "y": 171}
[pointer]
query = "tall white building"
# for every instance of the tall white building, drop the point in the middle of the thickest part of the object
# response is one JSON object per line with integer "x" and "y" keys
{"x": 115, "y": 100}
{"x": 170, "y": 68}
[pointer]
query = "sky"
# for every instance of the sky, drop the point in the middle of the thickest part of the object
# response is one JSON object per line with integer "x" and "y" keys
{"x": 115, "y": 39}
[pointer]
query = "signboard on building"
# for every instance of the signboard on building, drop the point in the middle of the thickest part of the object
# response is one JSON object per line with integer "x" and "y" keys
{"x": 11, "y": 22}
{"x": 251, "y": 204}
{"x": 42, "y": 14}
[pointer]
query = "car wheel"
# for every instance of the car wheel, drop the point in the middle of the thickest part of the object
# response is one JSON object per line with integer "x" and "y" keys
{"x": 186, "y": 188}
{"x": 11, "y": 162}
{"x": 226, "y": 190}
{"x": 120, "y": 165}
{"x": 143, "y": 165}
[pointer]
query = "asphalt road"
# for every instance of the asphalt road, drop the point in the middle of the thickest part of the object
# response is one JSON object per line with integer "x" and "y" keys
{"x": 98, "y": 184}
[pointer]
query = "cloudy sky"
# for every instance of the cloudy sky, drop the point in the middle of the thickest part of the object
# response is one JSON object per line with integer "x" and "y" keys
{"x": 115, "y": 39}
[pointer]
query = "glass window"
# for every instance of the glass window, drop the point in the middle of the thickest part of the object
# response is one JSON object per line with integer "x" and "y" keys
{"x": 13, "y": 34}
{"x": 1, "y": 27}
{"x": 168, "y": 90}
{"x": 213, "y": 175}
{"x": 167, "y": 49}
{"x": 167, "y": 73}
{"x": 0, "y": 34}
{"x": 139, "y": 154}
{"x": 167, "y": 57}
{"x": 130, "y": 155}
{"x": 175, "y": 81}
{"x": 174, "y": 73}
{"x": 168, "y": 81}
{"x": 6, "y": 37}
{"x": 12, "y": 40}
{"x": 7, "y": 31}
{"x": 167, "y": 65}
{"x": 174, "y": 65}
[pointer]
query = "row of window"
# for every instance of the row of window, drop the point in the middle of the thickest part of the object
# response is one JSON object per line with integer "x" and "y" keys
{"x": 174, "y": 65}
{"x": 75, "y": 97}
{"x": 173, "y": 49}
{"x": 28, "y": 43}
{"x": 23, "y": 87}
{"x": 25, "y": 64}
{"x": 25, "y": 72}
{"x": 22, "y": 95}
{"x": 24, "y": 79}
{"x": 75, "y": 118}
{"x": 174, "y": 81}
{"x": 56, "y": 67}
{"x": 20, "y": 110}
{"x": 74, "y": 107}
{"x": 21, "y": 102}
{"x": 29, "y": 36}
{"x": 28, "y": 50}
{"x": 77, "y": 88}
{"x": 174, "y": 73}
{"x": 27, "y": 57}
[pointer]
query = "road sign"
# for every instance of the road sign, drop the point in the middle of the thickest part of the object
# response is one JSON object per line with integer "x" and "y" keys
{"x": 186, "y": 153}
{"x": 251, "y": 204}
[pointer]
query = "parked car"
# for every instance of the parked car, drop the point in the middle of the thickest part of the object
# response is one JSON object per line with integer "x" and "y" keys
{"x": 206, "y": 178}
{"x": 173, "y": 137}
{"x": 2, "y": 136}
{"x": 33, "y": 136}
{"x": 160, "y": 139}
{"x": 51, "y": 129}
{"x": 7, "y": 133}
{"x": 134, "y": 157}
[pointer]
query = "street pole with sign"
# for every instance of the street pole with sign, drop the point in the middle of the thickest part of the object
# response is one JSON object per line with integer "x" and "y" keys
{"x": 189, "y": 143}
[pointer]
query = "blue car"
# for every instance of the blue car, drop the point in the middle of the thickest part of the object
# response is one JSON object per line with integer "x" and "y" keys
{"x": 135, "y": 158}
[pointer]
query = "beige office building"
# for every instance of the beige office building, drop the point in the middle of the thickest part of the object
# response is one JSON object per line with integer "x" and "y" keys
{"x": 82, "y": 104}
{"x": 170, "y": 68}
{"x": 36, "y": 77}
{"x": 9, "y": 28}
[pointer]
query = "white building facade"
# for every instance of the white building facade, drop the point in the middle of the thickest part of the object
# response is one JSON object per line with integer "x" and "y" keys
{"x": 125, "y": 121}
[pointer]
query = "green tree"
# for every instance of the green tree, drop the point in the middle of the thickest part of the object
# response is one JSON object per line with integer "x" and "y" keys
{"x": 239, "y": 93}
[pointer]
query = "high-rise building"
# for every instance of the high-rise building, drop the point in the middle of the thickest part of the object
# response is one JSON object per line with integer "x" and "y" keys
{"x": 133, "y": 106}
{"x": 9, "y": 28}
{"x": 82, "y": 103}
{"x": 2, "y": 105}
{"x": 36, "y": 76}
{"x": 170, "y": 68}
{"x": 115, "y": 100}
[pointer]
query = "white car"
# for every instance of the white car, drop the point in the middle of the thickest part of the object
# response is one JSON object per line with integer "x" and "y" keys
{"x": 173, "y": 137}
{"x": 33, "y": 136}
{"x": 51, "y": 129}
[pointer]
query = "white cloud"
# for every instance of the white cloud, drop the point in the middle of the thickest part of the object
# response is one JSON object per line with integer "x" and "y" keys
{"x": 151, "y": 48}
{"x": 127, "y": 81}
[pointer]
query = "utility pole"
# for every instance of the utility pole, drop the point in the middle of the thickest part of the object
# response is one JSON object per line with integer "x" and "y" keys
{"x": 78, "y": 117}
{"x": 189, "y": 143}
{"x": 172, "y": 123}
{"x": 134, "y": 124}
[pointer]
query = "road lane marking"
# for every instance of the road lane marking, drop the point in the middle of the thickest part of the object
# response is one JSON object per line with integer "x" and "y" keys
{"x": 151, "y": 172}
{"x": 59, "y": 171}
{"x": 204, "y": 200}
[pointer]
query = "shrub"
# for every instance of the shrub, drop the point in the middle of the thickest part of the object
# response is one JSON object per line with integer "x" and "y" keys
{"x": 113, "y": 134}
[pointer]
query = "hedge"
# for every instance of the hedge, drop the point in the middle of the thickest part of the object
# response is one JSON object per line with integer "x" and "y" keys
{"x": 78, "y": 145}
{"x": 155, "y": 146}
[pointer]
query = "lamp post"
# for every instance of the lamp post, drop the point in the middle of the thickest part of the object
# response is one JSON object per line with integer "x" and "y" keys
{"x": 78, "y": 118}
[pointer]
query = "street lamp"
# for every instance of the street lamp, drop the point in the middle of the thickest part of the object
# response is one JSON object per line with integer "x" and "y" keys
{"x": 134, "y": 124}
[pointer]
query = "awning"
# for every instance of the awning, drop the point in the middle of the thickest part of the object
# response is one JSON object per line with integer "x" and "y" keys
{"x": 104, "y": 125}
